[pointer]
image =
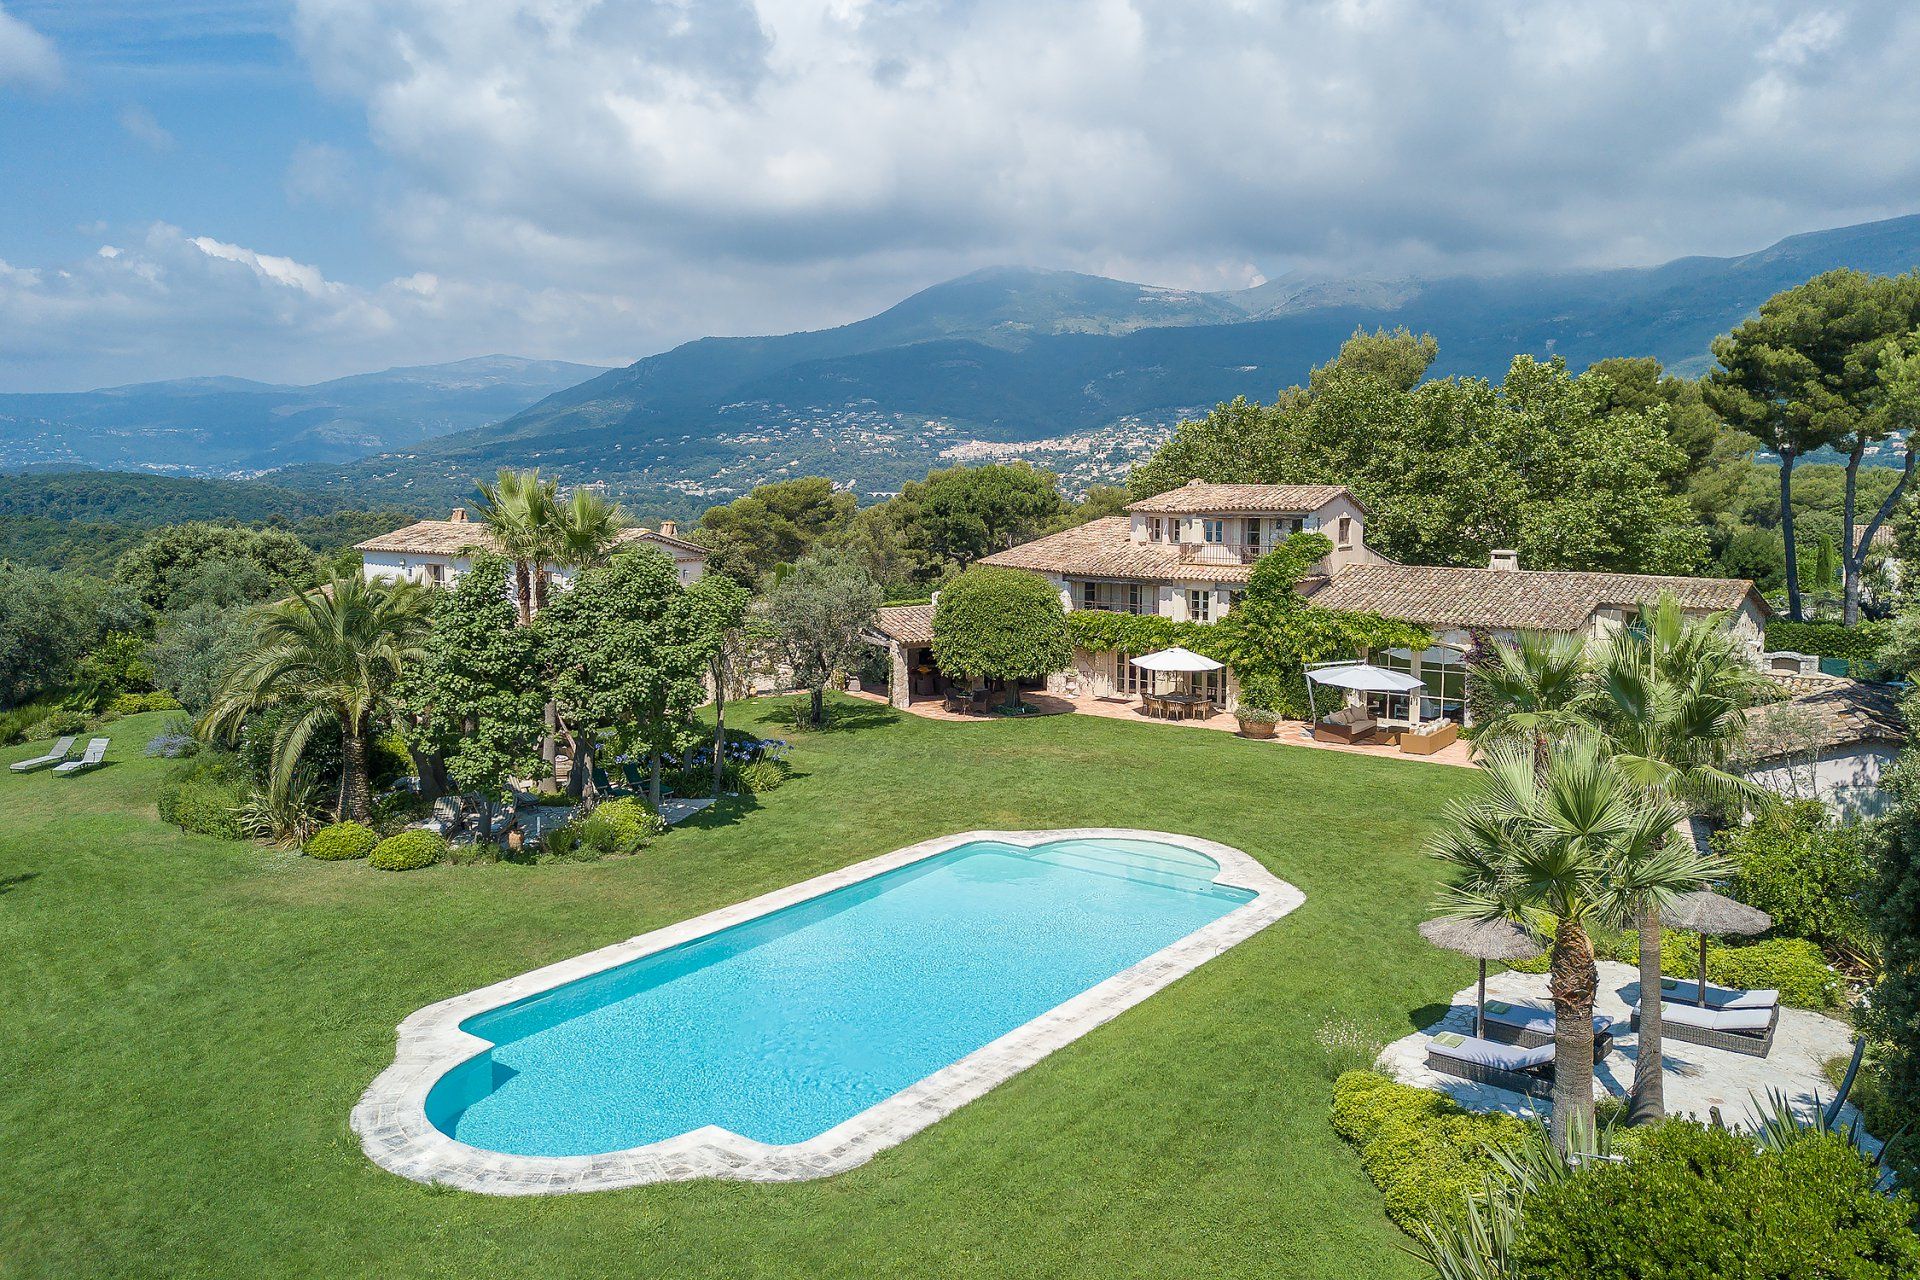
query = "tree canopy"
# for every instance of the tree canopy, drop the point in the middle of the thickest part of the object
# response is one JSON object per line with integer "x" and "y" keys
{"x": 774, "y": 524}
{"x": 1000, "y": 624}
{"x": 167, "y": 559}
{"x": 820, "y": 614}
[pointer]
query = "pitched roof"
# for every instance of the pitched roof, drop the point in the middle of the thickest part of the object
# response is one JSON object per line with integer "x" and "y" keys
{"x": 452, "y": 537}
{"x": 906, "y": 623}
{"x": 1194, "y": 497}
{"x": 1514, "y": 599}
{"x": 1825, "y": 713}
{"x": 1103, "y": 549}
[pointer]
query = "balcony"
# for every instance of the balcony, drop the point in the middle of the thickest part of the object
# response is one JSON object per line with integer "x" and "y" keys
{"x": 1222, "y": 552}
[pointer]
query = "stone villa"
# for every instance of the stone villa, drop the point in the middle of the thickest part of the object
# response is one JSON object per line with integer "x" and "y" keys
{"x": 1187, "y": 555}
{"x": 438, "y": 552}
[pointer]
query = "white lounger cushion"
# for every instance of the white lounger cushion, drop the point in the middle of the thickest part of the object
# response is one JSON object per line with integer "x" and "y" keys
{"x": 54, "y": 756}
{"x": 1532, "y": 1017}
{"x": 1719, "y": 997}
{"x": 1506, "y": 1057}
{"x": 1711, "y": 1019}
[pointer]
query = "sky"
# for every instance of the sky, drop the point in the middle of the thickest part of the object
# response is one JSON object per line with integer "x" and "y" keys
{"x": 290, "y": 190}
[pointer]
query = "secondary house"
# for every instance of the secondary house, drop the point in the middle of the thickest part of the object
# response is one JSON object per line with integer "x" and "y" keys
{"x": 438, "y": 552}
{"x": 1187, "y": 555}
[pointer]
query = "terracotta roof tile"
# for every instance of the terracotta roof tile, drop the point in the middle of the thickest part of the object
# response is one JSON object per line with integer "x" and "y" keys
{"x": 1196, "y": 498}
{"x": 451, "y": 537}
{"x": 1512, "y": 599}
{"x": 1102, "y": 549}
{"x": 1825, "y": 713}
{"x": 907, "y": 623}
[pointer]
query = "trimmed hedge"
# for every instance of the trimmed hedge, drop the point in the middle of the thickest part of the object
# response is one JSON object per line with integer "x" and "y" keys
{"x": 133, "y": 704}
{"x": 1793, "y": 966}
{"x": 408, "y": 851}
{"x": 622, "y": 825}
{"x": 1861, "y": 643}
{"x": 1811, "y": 874}
{"x": 203, "y": 806}
{"x": 342, "y": 841}
{"x": 1698, "y": 1201}
{"x": 1420, "y": 1148}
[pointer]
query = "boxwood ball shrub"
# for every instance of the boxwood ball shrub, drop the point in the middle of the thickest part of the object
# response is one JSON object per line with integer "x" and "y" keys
{"x": 341, "y": 841}
{"x": 1420, "y": 1148}
{"x": 408, "y": 851}
{"x": 1000, "y": 624}
{"x": 1698, "y": 1201}
{"x": 621, "y": 825}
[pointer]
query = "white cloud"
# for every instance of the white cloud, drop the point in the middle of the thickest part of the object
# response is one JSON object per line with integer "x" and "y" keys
{"x": 141, "y": 126}
{"x": 27, "y": 58}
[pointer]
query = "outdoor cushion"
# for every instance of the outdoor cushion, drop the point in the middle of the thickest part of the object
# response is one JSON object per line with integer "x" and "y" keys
{"x": 1534, "y": 1018}
{"x": 1719, "y": 997}
{"x": 1711, "y": 1019}
{"x": 1506, "y": 1057}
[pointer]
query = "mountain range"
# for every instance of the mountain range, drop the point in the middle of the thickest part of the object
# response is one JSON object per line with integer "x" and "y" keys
{"x": 1079, "y": 373}
{"x": 234, "y": 426}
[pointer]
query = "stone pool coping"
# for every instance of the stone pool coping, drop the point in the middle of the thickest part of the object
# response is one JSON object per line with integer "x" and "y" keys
{"x": 391, "y": 1116}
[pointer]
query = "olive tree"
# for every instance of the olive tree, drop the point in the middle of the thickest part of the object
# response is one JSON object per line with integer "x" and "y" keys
{"x": 1000, "y": 624}
{"x": 821, "y": 612}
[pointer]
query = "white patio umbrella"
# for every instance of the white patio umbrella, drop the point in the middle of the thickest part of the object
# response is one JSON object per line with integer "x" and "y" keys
{"x": 1176, "y": 659}
{"x": 1360, "y": 676}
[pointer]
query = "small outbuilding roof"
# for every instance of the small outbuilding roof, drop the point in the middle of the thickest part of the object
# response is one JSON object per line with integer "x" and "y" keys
{"x": 906, "y": 623}
{"x": 1514, "y": 599}
{"x": 1198, "y": 498}
{"x": 1825, "y": 713}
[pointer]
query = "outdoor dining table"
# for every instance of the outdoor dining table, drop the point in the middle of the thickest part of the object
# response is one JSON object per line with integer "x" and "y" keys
{"x": 1184, "y": 705}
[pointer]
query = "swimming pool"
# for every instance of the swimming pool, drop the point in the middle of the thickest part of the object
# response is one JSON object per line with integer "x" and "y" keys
{"x": 796, "y": 1034}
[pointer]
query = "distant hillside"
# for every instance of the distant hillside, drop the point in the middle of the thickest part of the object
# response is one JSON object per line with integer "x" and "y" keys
{"x": 227, "y": 426}
{"x": 1077, "y": 372}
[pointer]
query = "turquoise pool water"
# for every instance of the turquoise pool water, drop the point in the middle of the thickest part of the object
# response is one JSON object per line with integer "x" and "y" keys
{"x": 783, "y": 1027}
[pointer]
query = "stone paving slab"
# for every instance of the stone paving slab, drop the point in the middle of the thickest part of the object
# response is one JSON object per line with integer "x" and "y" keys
{"x": 395, "y": 1133}
{"x": 1697, "y": 1078}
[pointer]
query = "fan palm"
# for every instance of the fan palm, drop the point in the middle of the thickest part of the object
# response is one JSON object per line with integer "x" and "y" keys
{"x": 1671, "y": 696}
{"x": 581, "y": 532}
{"x": 518, "y": 508}
{"x": 333, "y": 655}
{"x": 1534, "y": 689}
{"x": 1564, "y": 847}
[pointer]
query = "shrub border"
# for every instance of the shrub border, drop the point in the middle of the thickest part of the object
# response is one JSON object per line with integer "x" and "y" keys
{"x": 395, "y": 1133}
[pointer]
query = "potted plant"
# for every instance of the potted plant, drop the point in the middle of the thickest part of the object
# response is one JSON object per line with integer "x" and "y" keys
{"x": 1256, "y": 722}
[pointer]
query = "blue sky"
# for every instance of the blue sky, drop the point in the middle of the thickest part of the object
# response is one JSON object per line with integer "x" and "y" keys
{"x": 301, "y": 189}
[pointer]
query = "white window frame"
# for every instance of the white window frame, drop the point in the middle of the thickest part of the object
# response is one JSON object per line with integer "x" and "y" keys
{"x": 1199, "y": 604}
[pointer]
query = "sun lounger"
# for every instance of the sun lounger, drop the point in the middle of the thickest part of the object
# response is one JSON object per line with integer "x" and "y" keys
{"x": 1527, "y": 1070}
{"x": 1680, "y": 991}
{"x": 1529, "y": 1025}
{"x": 1748, "y": 1031}
{"x": 59, "y": 751}
{"x": 96, "y": 756}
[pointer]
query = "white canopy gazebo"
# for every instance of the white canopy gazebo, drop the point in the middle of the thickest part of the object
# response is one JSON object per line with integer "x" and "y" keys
{"x": 1359, "y": 677}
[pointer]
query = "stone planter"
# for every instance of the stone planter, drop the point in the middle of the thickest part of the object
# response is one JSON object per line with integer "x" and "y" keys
{"x": 1256, "y": 728}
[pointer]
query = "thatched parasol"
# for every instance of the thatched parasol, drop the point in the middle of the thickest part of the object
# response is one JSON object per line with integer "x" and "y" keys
{"x": 1484, "y": 940}
{"x": 1707, "y": 912}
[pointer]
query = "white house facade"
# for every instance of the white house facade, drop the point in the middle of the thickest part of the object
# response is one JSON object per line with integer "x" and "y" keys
{"x": 439, "y": 552}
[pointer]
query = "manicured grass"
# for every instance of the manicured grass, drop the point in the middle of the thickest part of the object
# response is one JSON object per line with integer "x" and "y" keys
{"x": 188, "y": 1022}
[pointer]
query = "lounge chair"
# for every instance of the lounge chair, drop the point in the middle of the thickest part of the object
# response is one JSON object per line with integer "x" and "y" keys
{"x": 1748, "y": 1031}
{"x": 1354, "y": 724}
{"x": 59, "y": 751}
{"x": 1527, "y": 1070}
{"x": 1681, "y": 991}
{"x": 95, "y": 757}
{"x": 1529, "y": 1026}
{"x": 444, "y": 820}
{"x": 604, "y": 784}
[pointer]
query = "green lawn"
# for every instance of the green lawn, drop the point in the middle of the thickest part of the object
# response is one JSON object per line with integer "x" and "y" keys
{"x": 188, "y": 1021}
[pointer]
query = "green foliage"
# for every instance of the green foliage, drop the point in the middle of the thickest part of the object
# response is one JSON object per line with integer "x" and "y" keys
{"x": 205, "y": 806}
{"x": 774, "y": 524}
{"x": 621, "y": 825}
{"x": 758, "y": 777}
{"x": 117, "y": 664}
{"x": 820, "y": 614}
{"x": 1860, "y": 643}
{"x": 341, "y": 841}
{"x": 963, "y": 513}
{"x": 1891, "y": 1016}
{"x": 1423, "y": 1151}
{"x": 1811, "y": 874}
{"x": 194, "y": 647}
{"x": 16, "y": 723}
{"x": 1546, "y": 462}
{"x": 171, "y": 558}
{"x": 408, "y": 851}
{"x": 47, "y": 621}
{"x": 1000, "y": 624}
{"x": 1793, "y": 966}
{"x": 1698, "y": 1201}
{"x": 133, "y": 704}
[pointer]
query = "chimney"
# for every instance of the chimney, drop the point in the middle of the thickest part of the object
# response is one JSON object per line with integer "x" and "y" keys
{"x": 1508, "y": 560}
{"x": 459, "y": 515}
{"x": 669, "y": 529}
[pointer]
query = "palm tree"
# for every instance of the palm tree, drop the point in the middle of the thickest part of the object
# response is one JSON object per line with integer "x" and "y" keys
{"x": 1671, "y": 696}
{"x": 1534, "y": 688}
{"x": 581, "y": 532}
{"x": 1566, "y": 847}
{"x": 518, "y": 509}
{"x": 333, "y": 655}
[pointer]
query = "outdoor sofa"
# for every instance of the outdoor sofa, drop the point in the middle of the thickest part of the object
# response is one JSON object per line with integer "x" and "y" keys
{"x": 96, "y": 755}
{"x": 1530, "y": 1026}
{"x": 1352, "y": 724}
{"x": 1737, "y": 1030}
{"x": 1521, "y": 1069}
{"x": 59, "y": 752}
